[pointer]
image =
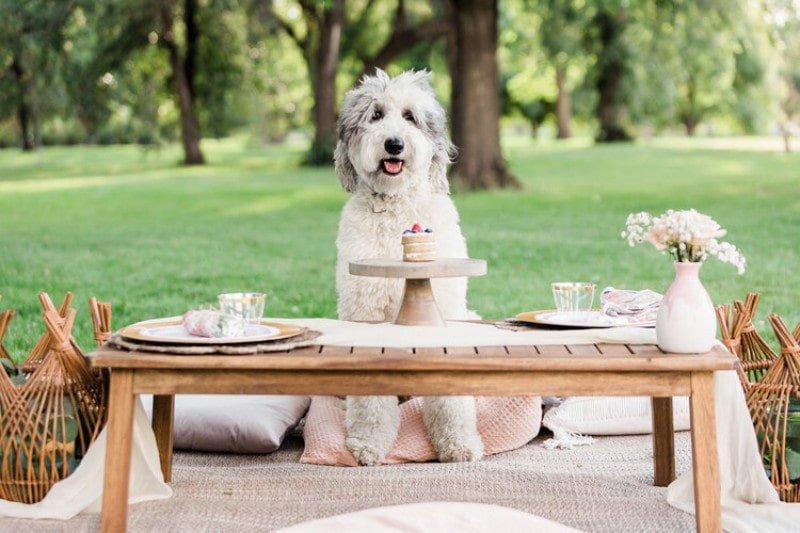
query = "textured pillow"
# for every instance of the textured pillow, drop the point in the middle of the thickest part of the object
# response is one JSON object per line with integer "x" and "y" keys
{"x": 612, "y": 415}
{"x": 233, "y": 423}
{"x": 503, "y": 423}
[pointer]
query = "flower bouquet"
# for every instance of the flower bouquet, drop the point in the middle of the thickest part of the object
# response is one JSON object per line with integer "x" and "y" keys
{"x": 688, "y": 236}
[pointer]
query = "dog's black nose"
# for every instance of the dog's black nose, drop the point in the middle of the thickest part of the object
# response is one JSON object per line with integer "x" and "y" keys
{"x": 394, "y": 145}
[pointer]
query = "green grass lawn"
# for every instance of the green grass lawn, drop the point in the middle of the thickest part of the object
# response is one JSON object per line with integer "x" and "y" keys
{"x": 153, "y": 238}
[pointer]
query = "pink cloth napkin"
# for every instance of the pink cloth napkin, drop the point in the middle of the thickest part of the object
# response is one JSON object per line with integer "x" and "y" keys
{"x": 634, "y": 306}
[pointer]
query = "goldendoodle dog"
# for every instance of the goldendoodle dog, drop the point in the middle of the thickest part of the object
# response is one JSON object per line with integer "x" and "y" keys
{"x": 392, "y": 155}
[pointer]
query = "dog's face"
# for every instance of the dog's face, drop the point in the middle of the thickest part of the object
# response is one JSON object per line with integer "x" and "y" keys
{"x": 392, "y": 135}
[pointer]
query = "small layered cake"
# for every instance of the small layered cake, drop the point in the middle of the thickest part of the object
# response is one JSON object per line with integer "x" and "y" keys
{"x": 418, "y": 244}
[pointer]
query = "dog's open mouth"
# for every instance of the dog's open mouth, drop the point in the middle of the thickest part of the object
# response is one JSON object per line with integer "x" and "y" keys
{"x": 392, "y": 166}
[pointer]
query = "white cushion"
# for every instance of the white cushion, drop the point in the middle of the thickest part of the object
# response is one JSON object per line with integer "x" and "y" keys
{"x": 233, "y": 423}
{"x": 610, "y": 415}
{"x": 432, "y": 516}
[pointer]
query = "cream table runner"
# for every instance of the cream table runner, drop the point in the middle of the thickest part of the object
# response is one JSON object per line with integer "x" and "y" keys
{"x": 749, "y": 502}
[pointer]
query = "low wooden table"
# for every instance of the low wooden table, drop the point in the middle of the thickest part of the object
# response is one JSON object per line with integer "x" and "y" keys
{"x": 564, "y": 370}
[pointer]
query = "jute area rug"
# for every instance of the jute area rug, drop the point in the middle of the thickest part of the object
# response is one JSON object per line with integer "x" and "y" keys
{"x": 604, "y": 487}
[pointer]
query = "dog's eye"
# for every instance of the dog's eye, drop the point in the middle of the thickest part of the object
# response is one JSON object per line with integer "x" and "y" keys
{"x": 409, "y": 116}
{"x": 377, "y": 115}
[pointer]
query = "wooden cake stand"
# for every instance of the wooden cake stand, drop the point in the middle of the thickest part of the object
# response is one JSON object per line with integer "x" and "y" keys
{"x": 419, "y": 307}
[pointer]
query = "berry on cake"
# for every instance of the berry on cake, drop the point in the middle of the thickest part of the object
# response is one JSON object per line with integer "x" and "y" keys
{"x": 418, "y": 244}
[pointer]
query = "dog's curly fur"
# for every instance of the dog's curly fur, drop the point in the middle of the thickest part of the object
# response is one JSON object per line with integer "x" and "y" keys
{"x": 392, "y": 155}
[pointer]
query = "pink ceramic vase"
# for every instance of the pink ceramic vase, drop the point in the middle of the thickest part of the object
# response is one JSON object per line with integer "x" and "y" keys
{"x": 686, "y": 322}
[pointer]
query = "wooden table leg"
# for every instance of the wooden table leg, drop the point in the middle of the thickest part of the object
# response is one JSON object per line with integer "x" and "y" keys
{"x": 705, "y": 458}
{"x": 663, "y": 442}
{"x": 114, "y": 516}
{"x": 163, "y": 418}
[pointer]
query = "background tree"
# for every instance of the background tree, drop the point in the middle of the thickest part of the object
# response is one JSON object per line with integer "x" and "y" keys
{"x": 560, "y": 37}
{"x": 701, "y": 75}
{"x": 183, "y": 60}
{"x": 611, "y": 74}
{"x": 316, "y": 29}
{"x": 542, "y": 60}
{"x": 784, "y": 24}
{"x": 526, "y": 79}
{"x": 172, "y": 62}
{"x": 413, "y": 24}
{"x": 114, "y": 70}
{"x": 683, "y": 73}
{"x": 475, "y": 101}
{"x": 369, "y": 33}
{"x": 102, "y": 72}
{"x": 32, "y": 38}
{"x": 277, "y": 94}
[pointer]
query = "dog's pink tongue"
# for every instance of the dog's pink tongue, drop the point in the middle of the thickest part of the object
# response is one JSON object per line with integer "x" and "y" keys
{"x": 393, "y": 166}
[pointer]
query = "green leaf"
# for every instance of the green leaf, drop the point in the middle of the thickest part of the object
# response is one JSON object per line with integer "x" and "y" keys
{"x": 67, "y": 431}
{"x": 69, "y": 409}
{"x": 793, "y": 463}
{"x": 8, "y": 366}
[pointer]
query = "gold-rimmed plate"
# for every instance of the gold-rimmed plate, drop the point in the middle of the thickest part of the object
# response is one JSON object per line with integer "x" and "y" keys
{"x": 171, "y": 331}
{"x": 579, "y": 319}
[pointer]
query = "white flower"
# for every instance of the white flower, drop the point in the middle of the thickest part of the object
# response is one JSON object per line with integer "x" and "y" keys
{"x": 688, "y": 236}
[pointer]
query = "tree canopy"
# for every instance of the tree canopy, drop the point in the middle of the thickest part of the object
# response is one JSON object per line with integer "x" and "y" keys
{"x": 153, "y": 71}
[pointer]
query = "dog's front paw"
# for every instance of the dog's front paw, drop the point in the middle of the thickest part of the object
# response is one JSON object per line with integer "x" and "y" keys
{"x": 470, "y": 449}
{"x": 365, "y": 452}
{"x": 452, "y": 426}
{"x": 371, "y": 423}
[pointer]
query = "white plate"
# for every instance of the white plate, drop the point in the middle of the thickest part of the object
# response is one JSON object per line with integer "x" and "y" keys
{"x": 579, "y": 319}
{"x": 172, "y": 331}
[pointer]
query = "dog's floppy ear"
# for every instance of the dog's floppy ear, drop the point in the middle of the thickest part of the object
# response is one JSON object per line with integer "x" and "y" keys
{"x": 344, "y": 168}
{"x": 436, "y": 125}
{"x": 442, "y": 153}
{"x": 353, "y": 108}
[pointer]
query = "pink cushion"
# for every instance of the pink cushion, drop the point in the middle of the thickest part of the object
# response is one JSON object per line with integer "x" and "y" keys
{"x": 504, "y": 424}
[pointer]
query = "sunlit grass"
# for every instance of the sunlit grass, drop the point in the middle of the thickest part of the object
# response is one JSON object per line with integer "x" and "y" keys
{"x": 155, "y": 238}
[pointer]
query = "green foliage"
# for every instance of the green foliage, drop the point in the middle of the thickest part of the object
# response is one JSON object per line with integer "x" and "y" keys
{"x": 94, "y": 71}
{"x": 222, "y": 61}
{"x": 277, "y": 92}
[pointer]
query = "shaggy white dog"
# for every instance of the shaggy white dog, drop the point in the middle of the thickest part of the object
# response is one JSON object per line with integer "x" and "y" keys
{"x": 392, "y": 155}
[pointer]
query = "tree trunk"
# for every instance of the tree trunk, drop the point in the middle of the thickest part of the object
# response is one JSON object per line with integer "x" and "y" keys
{"x": 192, "y": 38}
{"x": 690, "y": 123}
{"x": 611, "y": 63}
{"x": 476, "y": 98}
{"x": 190, "y": 126}
{"x": 691, "y": 117}
{"x": 325, "y": 65}
{"x": 563, "y": 105}
{"x": 23, "y": 107}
